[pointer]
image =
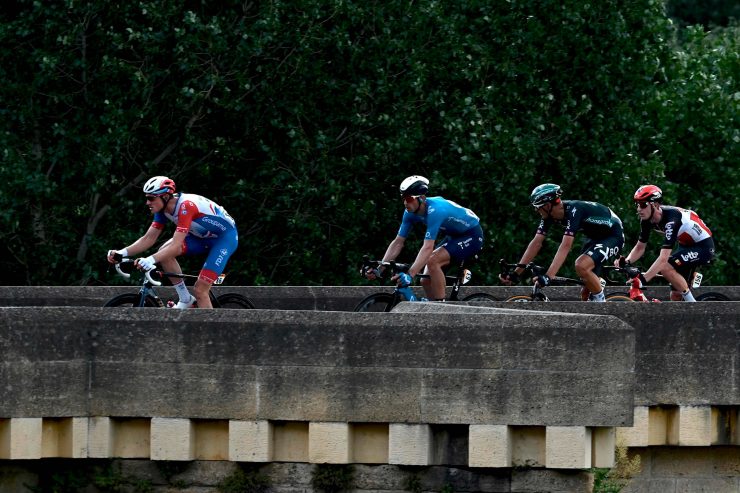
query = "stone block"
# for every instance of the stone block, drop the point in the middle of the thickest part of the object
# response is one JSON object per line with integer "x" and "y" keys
{"x": 695, "y": 426}
{"x": 409, "y": 444}
{"x": 604, "y": 442}
{"x": 172, "y": 439}
{"x": 637, "y": 434}
{"x": 250, "y": 441}
{"x": 20, "y": 438}
{"x": 489, "y": 446}
{"x": 100, "y": 437}
{"x": 568, "y": 447}
{"x": 329, "y": 443}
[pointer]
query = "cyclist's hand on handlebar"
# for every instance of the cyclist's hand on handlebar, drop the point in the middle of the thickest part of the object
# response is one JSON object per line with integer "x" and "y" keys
{"x": 543, "y": 280}
{"x": 371, "y": 273}
{"x": 509, "y": 278}
{"x": 146, "y": 263}
{"x": 113, "y": 253}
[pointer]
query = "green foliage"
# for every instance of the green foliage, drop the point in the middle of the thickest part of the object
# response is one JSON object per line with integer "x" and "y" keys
{"x": 413, "y": 484}
{"x": 104, "y": 476}
{"x": 333, "y": 478}
{"x": 245, "y": 481}
{"x": 302, "y": 118}
{"x": 617, "y": 478}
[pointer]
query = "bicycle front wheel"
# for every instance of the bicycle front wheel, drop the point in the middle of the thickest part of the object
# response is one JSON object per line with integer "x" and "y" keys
{"x": 520, "y": 298}
{"x": 131, "y": 299}
{"x": 618, "y": 297}
{"x": 234, "y": 300}
{"x": 378, "y": 302}
{"x": 479, "y": 297}
{"x": 712, "y": 296}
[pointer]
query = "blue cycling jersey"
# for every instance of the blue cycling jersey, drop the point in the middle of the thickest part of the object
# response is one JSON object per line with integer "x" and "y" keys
{"x": 442, "y": 215}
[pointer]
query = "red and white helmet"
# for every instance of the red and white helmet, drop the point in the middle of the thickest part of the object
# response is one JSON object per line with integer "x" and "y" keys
{"x": 159, "y": 185}
{"x": 648, "y": 193}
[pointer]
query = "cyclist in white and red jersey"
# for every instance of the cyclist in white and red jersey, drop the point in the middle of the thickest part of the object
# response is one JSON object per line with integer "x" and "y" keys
{"x": 202, "y": 227}
{"x": 682, "y": 226}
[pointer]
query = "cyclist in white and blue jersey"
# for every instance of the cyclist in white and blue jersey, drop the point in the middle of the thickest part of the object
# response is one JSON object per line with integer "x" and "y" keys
{"x": 463, "y": 235}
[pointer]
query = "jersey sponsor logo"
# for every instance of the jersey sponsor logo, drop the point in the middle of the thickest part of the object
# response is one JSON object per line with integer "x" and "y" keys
{"x": 668, "y": 231}
{"x": 599, "y": 220}
{"x": 220, "y": 258}
{"x": 573, "y": 212}
{"x": 214, "y": 223}
{"x": 689, "y": 256}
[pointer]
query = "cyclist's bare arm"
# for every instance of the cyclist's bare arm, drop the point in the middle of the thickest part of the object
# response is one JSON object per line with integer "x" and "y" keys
{"x": 422, "y": 258}
{"x": 394, "y": 249}
{"x": 142, "y": 244}
{"x": 531, "y": 252}
{"x": 563, "y": 250}
{"x": 659, "y": 264}
{"x": 391, "y": 253}
{"x": 635, "y": 254}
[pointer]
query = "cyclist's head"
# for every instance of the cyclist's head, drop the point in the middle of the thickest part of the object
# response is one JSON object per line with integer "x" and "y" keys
{"x": 159, "y": 185}
{"x": 414, "y": 186}
{"x": 648, "y": 193}
{"x": 545, "y": 194}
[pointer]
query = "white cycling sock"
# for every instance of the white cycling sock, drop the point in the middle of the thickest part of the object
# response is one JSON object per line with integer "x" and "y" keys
{"x": 687, "y": 296}
{"x": 598, "y": 297}
{"x": 182, "y": 292}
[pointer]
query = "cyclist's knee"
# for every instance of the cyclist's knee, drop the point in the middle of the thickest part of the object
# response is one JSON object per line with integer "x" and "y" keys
{"x": 201, "y": 288}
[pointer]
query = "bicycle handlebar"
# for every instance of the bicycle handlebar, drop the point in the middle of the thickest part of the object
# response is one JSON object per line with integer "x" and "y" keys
{"x": 148, "y": 274}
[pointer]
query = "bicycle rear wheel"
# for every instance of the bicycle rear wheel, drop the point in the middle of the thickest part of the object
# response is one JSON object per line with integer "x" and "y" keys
{"x": 131, "y": 299}
{"x": 234, "y": 300}
{"x": 520, "y": 298}
{"x": 378, "y": 302}
{"x": 618, "y": 297}
{"x": 479, "y": 297}
{"x": 712, "y": 296}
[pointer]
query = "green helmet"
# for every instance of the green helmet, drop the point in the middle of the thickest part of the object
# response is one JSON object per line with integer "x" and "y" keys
{"x": 542, "y": 194}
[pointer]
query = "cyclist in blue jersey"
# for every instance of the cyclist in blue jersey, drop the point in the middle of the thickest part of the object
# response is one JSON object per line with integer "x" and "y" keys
{"x": 463, "y": 236}
{"x": 602, "y": 228}
{"x": 202, "y": 228}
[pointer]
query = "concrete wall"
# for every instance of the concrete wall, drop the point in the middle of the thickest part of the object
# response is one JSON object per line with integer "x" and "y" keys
{"x": 514, "y": 368}
{"x": 685, "y": 353}
{"x": 339, "y": 298}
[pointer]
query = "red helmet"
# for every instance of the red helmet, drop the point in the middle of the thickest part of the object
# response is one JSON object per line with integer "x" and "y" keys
{"x": 648, "y": 193}
{"x": 159, "y": 185}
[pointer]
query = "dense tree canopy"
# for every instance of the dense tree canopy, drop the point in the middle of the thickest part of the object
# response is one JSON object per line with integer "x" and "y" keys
{"x": 302, "y": 117}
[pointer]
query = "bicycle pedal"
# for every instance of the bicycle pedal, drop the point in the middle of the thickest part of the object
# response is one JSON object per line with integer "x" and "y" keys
{"x": 170, "y": 304}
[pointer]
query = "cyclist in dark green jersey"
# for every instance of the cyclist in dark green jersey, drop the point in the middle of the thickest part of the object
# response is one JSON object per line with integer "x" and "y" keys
{"x": 602, "y": 228}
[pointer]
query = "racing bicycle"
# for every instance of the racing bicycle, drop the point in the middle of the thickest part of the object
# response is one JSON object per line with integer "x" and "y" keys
{"x": 538, "y": 293}
{"x": 384, "y": 301}
{"x": 636, "y": 289}
{"x": 148, "y": 297}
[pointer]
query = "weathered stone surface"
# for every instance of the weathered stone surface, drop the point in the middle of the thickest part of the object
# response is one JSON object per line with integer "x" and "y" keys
{"x": 493, "y": 368}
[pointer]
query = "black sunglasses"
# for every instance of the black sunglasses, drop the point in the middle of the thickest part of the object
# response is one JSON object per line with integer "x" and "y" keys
{"x": 642, "y": 205}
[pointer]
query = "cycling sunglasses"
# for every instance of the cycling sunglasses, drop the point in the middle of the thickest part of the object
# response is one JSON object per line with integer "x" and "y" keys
{"x": 643, "y": 205}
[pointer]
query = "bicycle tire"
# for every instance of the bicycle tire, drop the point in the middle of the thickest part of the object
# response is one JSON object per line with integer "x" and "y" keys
{"x": 132, "y": 300}
{"x": 378, "y": 302}
{"x": 234, "y": 301}
{"x": 479, "y": 297}
{"x": 712, "y": 296}
{"x": 519, "y": 298}
{"x": 619, "y": 297}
